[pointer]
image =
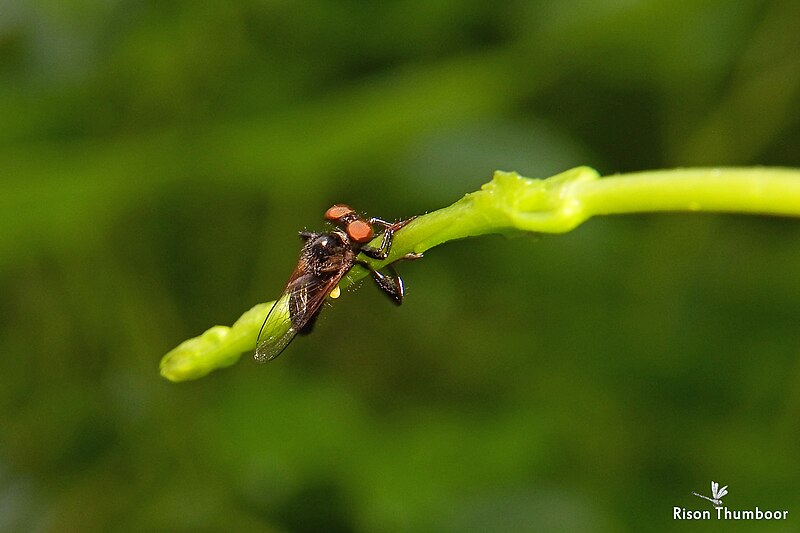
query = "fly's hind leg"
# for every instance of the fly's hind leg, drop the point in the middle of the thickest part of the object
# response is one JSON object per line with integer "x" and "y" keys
{"x": 390, "y": 283}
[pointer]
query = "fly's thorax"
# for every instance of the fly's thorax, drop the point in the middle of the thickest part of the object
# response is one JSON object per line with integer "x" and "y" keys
{"x": 328, "y": 252}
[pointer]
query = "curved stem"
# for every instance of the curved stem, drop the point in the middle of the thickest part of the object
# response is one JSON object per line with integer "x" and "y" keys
{"x": 509, "y": 204}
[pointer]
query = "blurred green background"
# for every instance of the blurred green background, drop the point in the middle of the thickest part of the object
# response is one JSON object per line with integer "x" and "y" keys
{"x": 158, "y": 158}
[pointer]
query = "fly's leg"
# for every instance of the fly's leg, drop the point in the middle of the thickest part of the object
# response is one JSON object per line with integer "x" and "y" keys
{"x": 389, "y": 228}
{"x": 391, "y": 284}
{"x": 382, "y": 252}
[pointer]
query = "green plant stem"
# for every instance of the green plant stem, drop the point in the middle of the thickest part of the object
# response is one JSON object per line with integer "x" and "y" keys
{"x": 510, "y": 204}
{"x": 733, "y": 190}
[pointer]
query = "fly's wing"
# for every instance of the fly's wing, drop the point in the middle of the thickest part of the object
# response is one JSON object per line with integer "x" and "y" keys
{"x": 300, "y": 302}
{"x": 278, "y": 335}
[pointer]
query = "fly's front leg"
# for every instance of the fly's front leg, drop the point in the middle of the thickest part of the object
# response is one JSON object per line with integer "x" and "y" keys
{"x": 375, "y": 221}
{"x": 382, "y": 252}
{"x": 389, "y": 228}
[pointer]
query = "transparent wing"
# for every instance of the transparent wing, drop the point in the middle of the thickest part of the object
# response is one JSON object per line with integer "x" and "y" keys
{"x": 276, "y": 332}
{"x": 300, "y": 302}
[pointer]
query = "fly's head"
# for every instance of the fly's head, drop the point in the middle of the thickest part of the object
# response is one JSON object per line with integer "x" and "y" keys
{"x": 358, "y": 230}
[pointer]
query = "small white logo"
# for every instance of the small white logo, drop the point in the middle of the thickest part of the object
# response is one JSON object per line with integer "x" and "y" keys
{"x": 721, "y": 512}
{"x": 716, "y": 494}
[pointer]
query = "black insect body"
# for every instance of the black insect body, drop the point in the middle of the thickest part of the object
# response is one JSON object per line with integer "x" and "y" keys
{"x": 324, "y": 260}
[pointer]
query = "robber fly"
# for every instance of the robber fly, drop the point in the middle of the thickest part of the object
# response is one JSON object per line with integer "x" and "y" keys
{"x": 324, "y": 260}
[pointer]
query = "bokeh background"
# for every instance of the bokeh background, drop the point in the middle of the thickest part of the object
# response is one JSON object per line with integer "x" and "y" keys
{"x": 158, "y": 158}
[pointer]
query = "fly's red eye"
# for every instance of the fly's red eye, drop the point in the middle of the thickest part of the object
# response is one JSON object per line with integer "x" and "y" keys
{"x": 338, "y": 211}
{"x": 360, "y": 231}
